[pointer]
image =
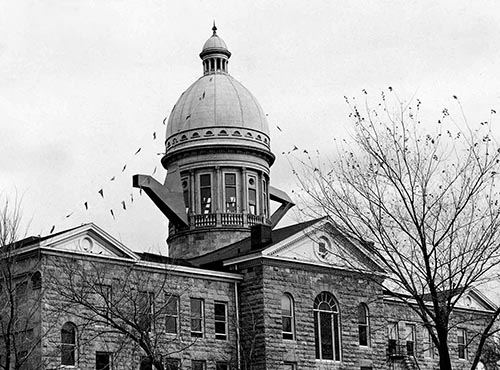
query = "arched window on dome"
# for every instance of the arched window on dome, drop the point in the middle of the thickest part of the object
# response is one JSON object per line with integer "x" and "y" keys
{"x": 205, "y": 193}
{"x": 326, "y": 327}
{"x": 230, "y": 192}
{"x": 265, "y": 205}
{"x": 185, "y": 192}
{"x": 252, "y": 195}
{"x": 68, "y": 344}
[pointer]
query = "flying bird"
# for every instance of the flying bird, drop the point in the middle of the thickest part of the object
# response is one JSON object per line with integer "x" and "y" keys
{"x": 295, "y": 148}
{"x": 101, "y": 192}
{"x": 154, "y": 171}
{"x": 123, "y": 205}
{"x": 131, "y": 198}
{"x": 86, "y": 206}
{"x": 154, "y": 135}
{"x": 203, "y": 94}
{"x": 52, "y": 229}
{"x": 112, "y": 179}
{"x": 164, "y": 121}
{"x": 279, "y": 128}
{"x": 112, "y": 214}
{"x": 69, "y": 215}
{"x": 123, "y": 169}
{"x": 493, "y": 111}
{"x": 188, "y": 117}
{"x": 138, "y": 150}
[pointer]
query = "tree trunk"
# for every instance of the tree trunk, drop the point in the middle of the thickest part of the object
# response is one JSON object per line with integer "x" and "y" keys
{"x": 444, "y": 352}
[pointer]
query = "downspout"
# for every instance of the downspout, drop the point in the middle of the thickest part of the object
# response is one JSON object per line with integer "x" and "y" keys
{"x": 237, "y": 303}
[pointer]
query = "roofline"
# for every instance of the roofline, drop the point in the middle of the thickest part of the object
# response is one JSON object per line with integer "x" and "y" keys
{"x": 299, "y": 262}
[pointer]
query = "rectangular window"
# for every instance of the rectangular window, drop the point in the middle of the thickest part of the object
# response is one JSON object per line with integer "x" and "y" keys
{"x": 104, "y": 296}
{"x": 462, "y": 343}
{"x": 393, "y": 335}
{"x": 230, "y": 192}
{"x": 185, "y": 192}
{"x": 429, "y": 346}
{"x": 171, "y": 313}
{"x": 103, "y": 361}
{"x": 290, "y": 366}
{"x": 206, "y": 193}
{"x": 172, "y": 364}
{"x": 220, "y": 312}
{"x": 252, "y": 195}
{"x": 21, "y": 289}
{"x": 197, "y": 317}
{"x": 264, "y": 199}
{"x": 410, "y": 339}
{"x": 146, "y": 310}
{"x": 198, "y": 365}
{"x": 221, "y": 366}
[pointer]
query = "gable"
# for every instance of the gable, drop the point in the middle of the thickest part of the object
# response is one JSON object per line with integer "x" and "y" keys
{"x": 88, "y": 240}
{"x": 474, "y": 300}
{"x": 324, "y": 245}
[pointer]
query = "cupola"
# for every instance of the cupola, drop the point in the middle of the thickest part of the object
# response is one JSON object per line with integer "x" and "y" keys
{"x": 214, "y": 54}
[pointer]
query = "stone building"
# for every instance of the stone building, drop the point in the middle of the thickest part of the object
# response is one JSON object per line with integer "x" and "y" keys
{"x": 233, "y": 290}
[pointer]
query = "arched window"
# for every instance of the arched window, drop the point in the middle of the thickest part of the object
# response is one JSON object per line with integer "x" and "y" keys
{"x": 68, "y": 344}
{"x": 36, "y": 280}
{"x": 326, "y": 327}
{"x": 287, "y": 317}
{"x": 363, "y": 325}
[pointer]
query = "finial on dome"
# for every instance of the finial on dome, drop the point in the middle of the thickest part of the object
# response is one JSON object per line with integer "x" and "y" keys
{"x": 214, "y": 28}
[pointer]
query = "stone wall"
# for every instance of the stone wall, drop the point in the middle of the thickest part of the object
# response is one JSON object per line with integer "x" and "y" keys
{"x": 264, "y": 285}
{"x": 162, "y": 283}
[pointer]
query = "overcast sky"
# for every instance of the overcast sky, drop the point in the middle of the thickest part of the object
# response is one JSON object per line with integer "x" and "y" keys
{"x": 85, "y": 84}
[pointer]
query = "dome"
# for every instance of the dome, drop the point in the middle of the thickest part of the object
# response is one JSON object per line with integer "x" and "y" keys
{"x": 217, "y": 111}
{"x": 214, "y": 43}
{"x": 216, "y": 100}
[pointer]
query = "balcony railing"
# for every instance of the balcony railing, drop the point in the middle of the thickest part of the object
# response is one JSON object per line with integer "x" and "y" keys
{"x": 211, "y": 220}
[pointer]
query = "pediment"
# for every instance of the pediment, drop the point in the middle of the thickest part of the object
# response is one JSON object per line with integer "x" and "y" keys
{"x": 324, "y": 245}
{"x": 88, "y": 240}
{"x": 475, "y": 300}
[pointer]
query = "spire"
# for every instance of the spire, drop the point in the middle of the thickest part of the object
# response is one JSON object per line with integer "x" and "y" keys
{"x": 214, "y": 28}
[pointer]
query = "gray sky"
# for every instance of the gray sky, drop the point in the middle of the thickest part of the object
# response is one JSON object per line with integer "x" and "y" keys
{"x": 84, "y": 84}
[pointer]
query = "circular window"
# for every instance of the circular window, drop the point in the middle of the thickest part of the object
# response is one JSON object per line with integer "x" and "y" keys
{"x": 184, "y": 184}
{"x": 86, "y": 244}
{"x": 251, "y": 181}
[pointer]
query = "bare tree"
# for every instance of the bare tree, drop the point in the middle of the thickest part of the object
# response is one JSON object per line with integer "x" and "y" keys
{"x": 129, "y": 307}
{"x": 423, "y": 199}
{"x": 20, "y": 293}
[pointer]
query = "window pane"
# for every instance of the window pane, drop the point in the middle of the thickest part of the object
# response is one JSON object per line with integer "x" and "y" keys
{"x": 102, "y": 361}
{"x": 220, "y": 311}
{"x": 326, "y": 335}
{"x": 230, "y": 179}
{"x": 205, "y": 180}
{"x": 221, "y": 366}
{"x": 363, "y": 338}
{"x": 286, "y": 306}
{"x": 197, "y": 365}
{"x": 196, "y": 317}
{"x": 171, "y": 364}
{"x": 362, "y": 314}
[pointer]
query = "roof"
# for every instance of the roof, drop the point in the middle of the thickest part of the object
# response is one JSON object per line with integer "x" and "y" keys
{"x": 32, "y": 240}
{"x": 216, "y": 100}
{"x": 244, "y": 246}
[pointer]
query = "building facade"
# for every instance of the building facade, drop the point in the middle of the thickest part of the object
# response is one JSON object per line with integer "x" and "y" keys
{"x": 235, "y": 292}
